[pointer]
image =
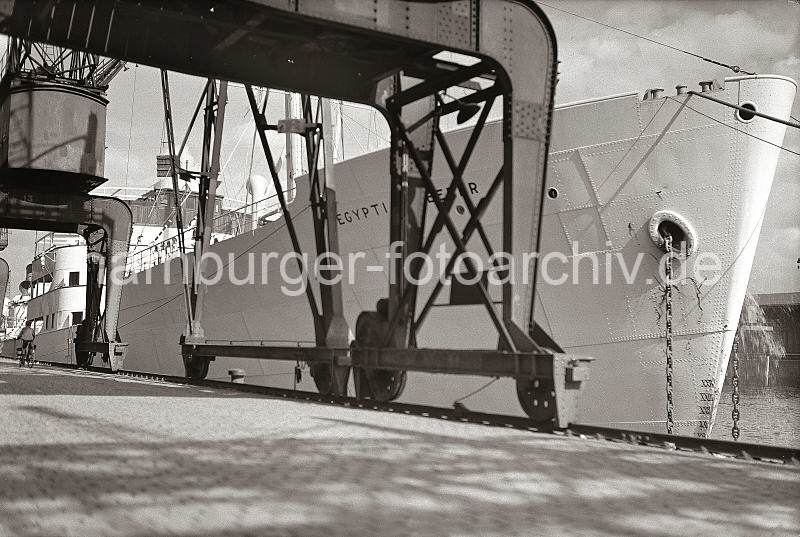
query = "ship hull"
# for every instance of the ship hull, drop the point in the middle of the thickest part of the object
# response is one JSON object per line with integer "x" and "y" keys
{"x": 614, "y": 164}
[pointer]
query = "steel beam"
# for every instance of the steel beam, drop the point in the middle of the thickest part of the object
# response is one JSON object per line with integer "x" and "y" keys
{"x": 505, "y": 337}
{"x": 90, "y": 329}
{"x": 408, "y": 206}
{"x": 5, "y": 273}
{"x": 216, "y": 100}
{"x": 553, "y": 378}
{"x": 488, "y": 363}
{"x": 441, "y": 83}
{"x": 71, "y": 213}
{"x": 214, "y": 97}
{"x": 261, "y": 127}
{"x": 173, "y": 171}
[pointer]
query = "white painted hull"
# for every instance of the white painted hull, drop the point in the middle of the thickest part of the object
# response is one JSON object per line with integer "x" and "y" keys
{"x": 615, "y": 162}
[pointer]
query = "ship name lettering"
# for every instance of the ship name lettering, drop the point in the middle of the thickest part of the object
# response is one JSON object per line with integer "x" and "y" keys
{"x": 473, "y": 189}
{"x": 349, "y": 216}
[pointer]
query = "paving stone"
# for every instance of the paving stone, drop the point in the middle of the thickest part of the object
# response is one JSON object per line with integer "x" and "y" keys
{"x": 84, "y": 454}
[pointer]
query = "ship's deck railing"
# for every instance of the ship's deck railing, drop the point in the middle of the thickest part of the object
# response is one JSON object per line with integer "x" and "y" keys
{"x": 54, "y": 239}
{"x": 147, "y": 212}
{"x": 225, "y": 223}
{"x": 131, "y": 193}
{"x": 230, "y": 224}
{"x": 125, "y": 193}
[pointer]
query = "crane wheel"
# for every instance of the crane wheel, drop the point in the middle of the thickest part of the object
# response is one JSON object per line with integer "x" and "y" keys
{"x": 196, "y": 367}
{"x": 538, "y": 399}
{"x": 331, "y": 379}
{"x": 379, "y": 384}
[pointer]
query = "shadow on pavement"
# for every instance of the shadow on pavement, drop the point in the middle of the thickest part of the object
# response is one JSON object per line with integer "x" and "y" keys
{"x": 340, "y": 477}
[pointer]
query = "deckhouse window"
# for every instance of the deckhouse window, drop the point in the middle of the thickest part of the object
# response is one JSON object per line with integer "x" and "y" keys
{"x": 74, "y": 279}
{"x": 77, "y": 317}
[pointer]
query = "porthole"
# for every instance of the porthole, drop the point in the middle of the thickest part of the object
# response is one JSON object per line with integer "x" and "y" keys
{"x": 745, "y": 116}
{"x": 552, "y": 193}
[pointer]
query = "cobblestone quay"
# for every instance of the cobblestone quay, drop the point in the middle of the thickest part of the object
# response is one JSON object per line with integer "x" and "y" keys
{"x": 90, "y": 454}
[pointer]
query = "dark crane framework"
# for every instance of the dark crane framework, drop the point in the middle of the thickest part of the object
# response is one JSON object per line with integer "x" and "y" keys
{"x": 38, "y": 62}
{"x": 40, "y": 190}
{"x": 42, "y": 62}
{"x": 388, "y": 55}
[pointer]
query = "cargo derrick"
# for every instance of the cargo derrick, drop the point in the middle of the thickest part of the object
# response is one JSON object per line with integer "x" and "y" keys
{"x": 52, "y": 118}
{"x": 405, "y": 58}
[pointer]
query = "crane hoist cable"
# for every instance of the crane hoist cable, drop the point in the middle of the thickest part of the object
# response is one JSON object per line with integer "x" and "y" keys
{"x": 130, "y": 125}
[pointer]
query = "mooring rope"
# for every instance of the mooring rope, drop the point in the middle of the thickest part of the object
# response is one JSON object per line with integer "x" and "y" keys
{"x": 734, "y": 68}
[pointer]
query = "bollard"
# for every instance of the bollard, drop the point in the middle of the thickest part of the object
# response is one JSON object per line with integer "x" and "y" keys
{"x": 237, "y": 375}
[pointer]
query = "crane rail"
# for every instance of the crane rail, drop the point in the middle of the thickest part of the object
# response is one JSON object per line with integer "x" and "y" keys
{"x": 705, "y": 446}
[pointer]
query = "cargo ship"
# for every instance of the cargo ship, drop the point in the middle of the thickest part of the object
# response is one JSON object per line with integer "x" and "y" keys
{"x": 623, "y": 171}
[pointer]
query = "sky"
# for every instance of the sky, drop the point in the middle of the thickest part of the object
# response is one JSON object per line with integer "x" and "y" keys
{"x": 760, "y": 36}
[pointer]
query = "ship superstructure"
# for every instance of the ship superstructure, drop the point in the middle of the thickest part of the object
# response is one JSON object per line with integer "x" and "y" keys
{"x": 53, "y": 293}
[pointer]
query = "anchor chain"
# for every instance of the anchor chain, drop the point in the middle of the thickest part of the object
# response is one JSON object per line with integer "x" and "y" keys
{"x": 668, "y": 334}
{"x": 735, "y": 395}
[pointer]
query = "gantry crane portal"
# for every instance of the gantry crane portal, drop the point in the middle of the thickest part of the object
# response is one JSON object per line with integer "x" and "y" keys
{"x": 402, "y": 57}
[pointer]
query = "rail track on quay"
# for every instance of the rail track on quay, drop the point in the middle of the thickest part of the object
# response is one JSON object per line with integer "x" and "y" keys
{"x": 706, "y": 446}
